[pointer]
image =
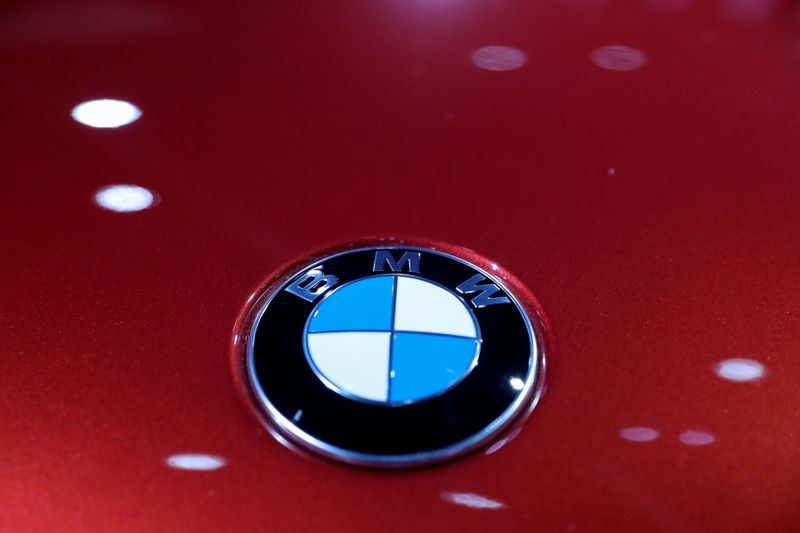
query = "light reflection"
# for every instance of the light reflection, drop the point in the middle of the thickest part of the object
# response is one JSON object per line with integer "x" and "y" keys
{"x": 619, "y": 58}
{"x": 106, "y": 113}
{"x": 517, "y": 384}
{"x": 498, "y": 58}
{"x": 639, "y": 434}
{"x": 195, "y": 461}
{"x": 124, "y": 198}
{"x": 740, "y": 370}
{"x": 695, "y": 437}
{"x": 502, "y": 442}
{"x": 472, "y": 500}
{"x": 752, "y": 11}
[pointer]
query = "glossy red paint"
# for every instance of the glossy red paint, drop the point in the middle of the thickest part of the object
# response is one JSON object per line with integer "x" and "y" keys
{"x": 652, "y": 209}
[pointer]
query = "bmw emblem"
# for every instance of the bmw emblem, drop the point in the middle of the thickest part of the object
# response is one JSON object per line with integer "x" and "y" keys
{"x": 391, "y": 355}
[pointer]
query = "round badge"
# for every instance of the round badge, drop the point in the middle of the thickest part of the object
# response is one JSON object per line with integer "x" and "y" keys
{"x": 391, "y": 356}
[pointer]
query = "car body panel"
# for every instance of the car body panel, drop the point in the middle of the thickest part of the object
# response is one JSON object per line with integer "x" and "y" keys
{"x": 649, "y": 202}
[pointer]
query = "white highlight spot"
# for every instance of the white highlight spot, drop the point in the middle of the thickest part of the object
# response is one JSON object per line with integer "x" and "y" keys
{"x": 498, "y": 58}
{"x": 639, "y": 434}
{"x": 517, "y": 384}
{"x": 619, "y": 58}
{"x": 740, "y": 370}
{"x": 106, "y": 113}
{"x": 469, "y": 499}
{"x": 195, "y": 461}
{"x": 695, "y": 437}
{"x": 124, "y": 198}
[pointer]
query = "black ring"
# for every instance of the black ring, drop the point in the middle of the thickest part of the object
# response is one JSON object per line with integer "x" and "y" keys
{"x": 309, "y": 412}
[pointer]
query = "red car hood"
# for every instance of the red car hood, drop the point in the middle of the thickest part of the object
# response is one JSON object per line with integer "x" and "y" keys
{"x": 634, "y": 164}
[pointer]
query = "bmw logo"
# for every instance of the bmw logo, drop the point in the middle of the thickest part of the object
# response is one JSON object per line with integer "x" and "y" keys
{"x": 391, "y": 355}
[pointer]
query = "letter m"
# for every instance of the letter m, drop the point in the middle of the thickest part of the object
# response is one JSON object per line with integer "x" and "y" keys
{"x": 384, "y": 258}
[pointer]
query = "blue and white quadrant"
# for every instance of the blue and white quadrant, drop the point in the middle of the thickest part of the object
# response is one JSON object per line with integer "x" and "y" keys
{"x": 392, "y": 339}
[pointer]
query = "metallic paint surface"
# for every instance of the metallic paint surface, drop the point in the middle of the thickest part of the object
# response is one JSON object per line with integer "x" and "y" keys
{"x": 653, "y": 212}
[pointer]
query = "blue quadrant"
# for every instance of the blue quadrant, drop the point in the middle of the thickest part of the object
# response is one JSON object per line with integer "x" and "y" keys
{"x": 424, "y": 364}
{"x": 364, "y": 305}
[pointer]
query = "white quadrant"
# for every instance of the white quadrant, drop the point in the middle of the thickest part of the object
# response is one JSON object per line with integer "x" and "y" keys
{"x": 356, "y": 362}
{"x": 427, "y": 308}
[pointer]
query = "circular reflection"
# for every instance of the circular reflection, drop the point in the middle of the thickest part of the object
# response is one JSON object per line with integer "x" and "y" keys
{"x": 498, "y": 58}
{"x": 124, "y": 198}
{"x": 619, "y": 58}
{"x": 106, "y": 113}
{"x": 517, "y": 384}
{"x": 639, "y": 434}
{"x": 195, "y": 461}
{"x": 740, "y": 370}
{"x": 750, "y": 11}
{"x": 695, "y": 437}
{"x": 470, "y": 499}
